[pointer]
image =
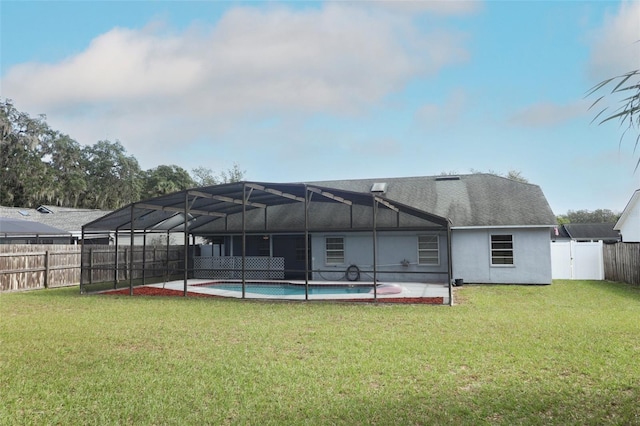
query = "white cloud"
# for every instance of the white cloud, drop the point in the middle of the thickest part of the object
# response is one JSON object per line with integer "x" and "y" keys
{"x": 444, "y": 114}
{"x": 335, "y": 58}
{"x": 458, "y": 7}
{"x": 152, "y": 87}
{"x": 119, "y": 65}
{"x": 548, "y": 114}
{"x": 616, "y": 45}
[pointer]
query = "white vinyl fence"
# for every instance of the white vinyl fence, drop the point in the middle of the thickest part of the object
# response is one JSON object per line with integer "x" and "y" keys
{"x": 571, "y": 260}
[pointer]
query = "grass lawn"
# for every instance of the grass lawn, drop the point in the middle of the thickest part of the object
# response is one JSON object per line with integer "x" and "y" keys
{"x": 563, "y": 354}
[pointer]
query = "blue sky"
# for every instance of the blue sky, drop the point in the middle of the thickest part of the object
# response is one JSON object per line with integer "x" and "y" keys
{"x": 302, "y": 91}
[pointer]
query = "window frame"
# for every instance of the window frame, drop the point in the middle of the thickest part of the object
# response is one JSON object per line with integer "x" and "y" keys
{"x": 327, "y": 250}
{"x": 436, "y": 238}
{"x": 492, "y": 250}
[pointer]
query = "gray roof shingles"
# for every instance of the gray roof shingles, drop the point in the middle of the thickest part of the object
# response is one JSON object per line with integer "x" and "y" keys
{"x": 65, "y": 218}
{"x": 10, "y": 226}
{"x": 472, "y": 200}
{"x": 592, "y": 231}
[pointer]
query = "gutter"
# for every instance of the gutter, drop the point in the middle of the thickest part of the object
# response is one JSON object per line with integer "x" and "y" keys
{"x": 505, "y": 227}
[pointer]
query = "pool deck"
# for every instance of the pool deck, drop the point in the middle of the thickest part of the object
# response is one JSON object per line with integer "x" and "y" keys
{"x": 394, "y": 290}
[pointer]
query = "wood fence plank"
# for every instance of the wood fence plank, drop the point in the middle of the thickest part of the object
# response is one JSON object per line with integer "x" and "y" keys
{"x": 622, "y": 262}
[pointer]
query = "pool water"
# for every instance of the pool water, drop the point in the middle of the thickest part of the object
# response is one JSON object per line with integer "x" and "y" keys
{"x": 284, "y": 289}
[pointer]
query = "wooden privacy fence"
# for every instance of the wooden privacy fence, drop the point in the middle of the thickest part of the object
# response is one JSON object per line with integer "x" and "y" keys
{"x": 102, "y": 264}
{"x": 622, "y": 262}
{"x": 37, "y": 266}
{"x": 32, "y": 266}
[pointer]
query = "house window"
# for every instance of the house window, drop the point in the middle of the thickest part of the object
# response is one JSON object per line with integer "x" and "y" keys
{"x": 428, "y": 250}
{"x": 334, "y": 250}
{"x": 502, "y": 249}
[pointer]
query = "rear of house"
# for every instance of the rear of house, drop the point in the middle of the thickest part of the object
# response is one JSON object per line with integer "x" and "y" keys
{"x": 478, "y": 228}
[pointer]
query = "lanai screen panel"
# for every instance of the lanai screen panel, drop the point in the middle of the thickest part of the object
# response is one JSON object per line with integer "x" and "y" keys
{"x": 266, "y": 207}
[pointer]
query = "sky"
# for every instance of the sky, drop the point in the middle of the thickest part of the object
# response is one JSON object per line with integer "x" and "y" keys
{"x": 305, "y": 91}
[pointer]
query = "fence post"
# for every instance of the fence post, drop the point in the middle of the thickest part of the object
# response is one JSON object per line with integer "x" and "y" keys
{"x": 116, "y": 271}
{"x": 46, "y": 269}
{"x": 144, "y": 256}
{"x": 166, "y": 269}
{"x": 90, "y": 265}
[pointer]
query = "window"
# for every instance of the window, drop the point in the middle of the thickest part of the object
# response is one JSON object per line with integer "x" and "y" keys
{"x": 334, "y": 248}
{"x": 502, "y": 249}
{"x": 428, "y": 250}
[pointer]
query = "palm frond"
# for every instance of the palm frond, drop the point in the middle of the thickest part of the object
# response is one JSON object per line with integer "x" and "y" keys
{"x": 628, "y": 113}
{"x": 622, "y": 81}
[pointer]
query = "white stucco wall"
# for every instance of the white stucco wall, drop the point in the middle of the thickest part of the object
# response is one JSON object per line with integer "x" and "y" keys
{"x": 471, "y": 253}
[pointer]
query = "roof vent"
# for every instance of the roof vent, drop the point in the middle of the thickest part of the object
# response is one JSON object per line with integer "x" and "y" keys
{"x": 43, "y": 209}
{"x": 23, "y": 212}
{"x": 447, "y": 177}
{"x": 379, "y": 187}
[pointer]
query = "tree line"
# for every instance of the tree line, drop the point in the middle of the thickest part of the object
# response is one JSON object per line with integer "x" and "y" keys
{"x": 588, "y": 216}
{"x": 40, "y": 165}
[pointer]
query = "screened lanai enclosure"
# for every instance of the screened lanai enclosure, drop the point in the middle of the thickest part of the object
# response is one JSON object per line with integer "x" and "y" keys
{"x": 289, "y": 241}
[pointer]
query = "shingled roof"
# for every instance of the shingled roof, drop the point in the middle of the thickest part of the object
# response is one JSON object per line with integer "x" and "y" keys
{"x": 13, "y": 227}
{"x": 467, "y": 200}
{"x": 592, "y": 231}
{"x": 65, "y": 218}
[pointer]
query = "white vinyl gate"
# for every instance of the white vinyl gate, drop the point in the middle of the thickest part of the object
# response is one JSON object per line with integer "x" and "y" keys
{"x": 571, "y": 260}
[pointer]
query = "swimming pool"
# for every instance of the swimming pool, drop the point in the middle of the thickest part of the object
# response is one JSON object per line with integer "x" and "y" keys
{"x": 318, "y": 290}
{"x": 290, "y": 289}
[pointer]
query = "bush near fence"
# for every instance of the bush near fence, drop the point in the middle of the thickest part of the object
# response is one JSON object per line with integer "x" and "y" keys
{"x": 37, "y": 266}
{"x": 622, "y": 262}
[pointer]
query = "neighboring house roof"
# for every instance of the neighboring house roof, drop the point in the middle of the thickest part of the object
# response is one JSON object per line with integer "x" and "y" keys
{"x": 65, "y": 218}
{"x": 479, "y": 200}
{"x": 592, "y": 231}
{"x": 627, "y": 213}
{"x": 21, "y": 227}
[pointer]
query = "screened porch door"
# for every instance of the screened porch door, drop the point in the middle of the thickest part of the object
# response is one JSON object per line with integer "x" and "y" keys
{"x": 291, "y": 247}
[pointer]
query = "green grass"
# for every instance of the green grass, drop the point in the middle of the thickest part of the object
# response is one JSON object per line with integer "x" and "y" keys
{"x": 563, "y": 354}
